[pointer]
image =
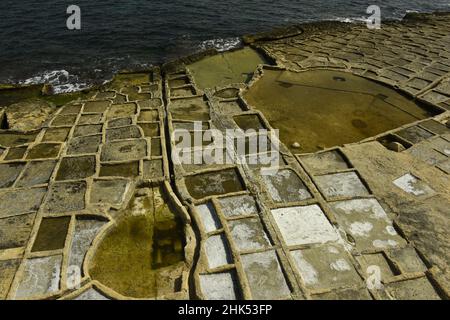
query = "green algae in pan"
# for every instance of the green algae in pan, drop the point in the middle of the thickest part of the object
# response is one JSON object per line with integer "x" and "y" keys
{"x": 130, "y": 169}
{"x": 193, "y": 109}
{"x": 214, "y": 183}
{"x": 13, "y": 139}
{"x": 226, "y": 68}
{"x": 249, "y": 121}
{"x": 52, "y": 234}
{"x": 142, "y": 255}
{"x": 320, "y": 109}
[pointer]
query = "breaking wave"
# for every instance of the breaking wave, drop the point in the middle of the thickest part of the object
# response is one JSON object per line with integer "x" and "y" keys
{"x": 61, "y": 80}
{"x": 350, "y": 19}
{"x": 221, "y": 44}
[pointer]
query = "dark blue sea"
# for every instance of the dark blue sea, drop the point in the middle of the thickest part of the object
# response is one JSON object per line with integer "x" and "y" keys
{"x": 36, "y": 46}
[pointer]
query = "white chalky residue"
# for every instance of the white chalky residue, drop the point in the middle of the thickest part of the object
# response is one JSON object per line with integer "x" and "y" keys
{"x": 265, "y": 276}
{"x": 238, "y": 205}
{"x": 340, "y": 265}
{"x": 332, "y": 249}
{"x": 412, "y": 185}
{"x": 246, "y": 208}
{"x": 41, "y": 276}
{"x": 307, "y": 271}
{"x": 366, "y": 220}
{"x": 85, "y": 232}
{"x": 139, "y": 208}
{"x": 54, "y": 284}
{"x": 216, "y": 251}
{"x": 91, "y": 294}
{"x": 384, "y": 243}
{"x": 369, "y": 206}
{"x": 272, "y": 190}
{"x": 390, "y": 230}
{"x": 304, "y": 225}
{"x": 361, "y": 229}
{"x": 345, "y": 184}
{"x": 285, "y": 178}
{"x": 245, "y": 236}
{"x": 208, "y": 217}
{"x": 243, "y": 233}
{"x": 344, "y": 243}
{"x": 218, "y": 286}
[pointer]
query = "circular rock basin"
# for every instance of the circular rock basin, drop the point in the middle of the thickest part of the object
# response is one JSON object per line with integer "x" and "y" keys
{"x": 319, "y": 109}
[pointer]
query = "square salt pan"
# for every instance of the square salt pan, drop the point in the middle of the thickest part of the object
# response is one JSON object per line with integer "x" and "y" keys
{"x": 368, "y": 224}
{"x": 413, "y": 185}
{"x": 109, "y": 191}
{"x": 325, "y": 162}
{"x": 346, "y": 184}
{"x": 325, "y": 267}
{"x": 415, "y": 289}
{"x": 304, "y": 225}
{"x": 238, "y": 206}
{"x": 217, "y": 252}
{"x": 286, "y": 186}
{"x": 249, "y": 234}
{"x": 265, "y": 276}
{"x": 41, "y": 276}
{"x": 218, "y": 286}
{"x": 209, "y": 218}
{"x": 17, "y": 202}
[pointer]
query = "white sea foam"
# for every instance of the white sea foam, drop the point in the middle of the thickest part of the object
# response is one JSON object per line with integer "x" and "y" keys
{"x": 221, "y": 44}
{"x": 350, "y": 20}
{"x": 61, "y": 80}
